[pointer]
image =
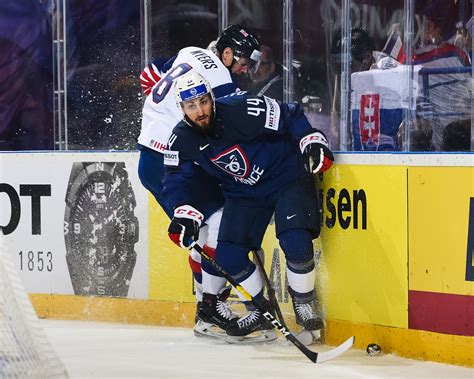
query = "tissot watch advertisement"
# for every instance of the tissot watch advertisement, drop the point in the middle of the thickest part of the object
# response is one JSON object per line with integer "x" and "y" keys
{"x": 75, "y": 225}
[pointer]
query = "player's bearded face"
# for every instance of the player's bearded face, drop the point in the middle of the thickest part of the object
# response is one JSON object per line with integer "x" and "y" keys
{"x": 199, "y": 112}
{"x": 241, "y": 66}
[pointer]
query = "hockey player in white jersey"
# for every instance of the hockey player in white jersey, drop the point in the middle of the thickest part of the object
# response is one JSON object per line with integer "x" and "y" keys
{"x": 237, "y": 52}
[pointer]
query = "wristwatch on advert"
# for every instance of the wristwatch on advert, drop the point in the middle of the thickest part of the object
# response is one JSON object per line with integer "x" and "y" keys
{"x": 100, "y": 229}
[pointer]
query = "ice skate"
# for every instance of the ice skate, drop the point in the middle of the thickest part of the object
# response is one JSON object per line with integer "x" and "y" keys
{"x": 251, "y": 328}
{"x": 214, "y": 315}
{"x": 308, "y": 317}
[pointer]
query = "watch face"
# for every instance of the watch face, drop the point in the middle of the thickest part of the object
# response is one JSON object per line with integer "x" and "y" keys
{"x": 100, "y": 232}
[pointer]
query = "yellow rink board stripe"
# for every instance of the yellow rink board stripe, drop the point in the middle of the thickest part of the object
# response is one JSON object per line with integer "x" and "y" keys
{"x": 404, "y": 342}
{"x": 408, "y": 343}
{"x": 130, "y": 311}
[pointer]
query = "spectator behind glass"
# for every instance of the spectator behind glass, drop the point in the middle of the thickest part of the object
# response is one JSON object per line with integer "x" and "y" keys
{"x": 449, "y": 94}
{"x": 457, "y": 136}
{"x": 26, "y": 81}
{"x": 421, "y": 134}
{"x": 268, "y": 77}
{"x": 362, "y": 47}
{"x": 463, "y": 38}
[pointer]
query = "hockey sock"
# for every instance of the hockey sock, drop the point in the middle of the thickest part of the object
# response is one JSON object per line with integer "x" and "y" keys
{"x": 301, "y": 278}
{"x": 195, "y": 264}
{"x": 198, "y": 288}
{"x": 212, "y": 282}
{"x": 251, "y": 280}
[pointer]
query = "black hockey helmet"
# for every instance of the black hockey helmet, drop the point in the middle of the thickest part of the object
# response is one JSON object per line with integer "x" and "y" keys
{"x": 243, "y": 43}
{"x": 361, "y": 42}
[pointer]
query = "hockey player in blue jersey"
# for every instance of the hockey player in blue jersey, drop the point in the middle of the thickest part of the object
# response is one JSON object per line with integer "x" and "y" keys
{"x": 237, "y": 49}
{"x": 264, "y": 154}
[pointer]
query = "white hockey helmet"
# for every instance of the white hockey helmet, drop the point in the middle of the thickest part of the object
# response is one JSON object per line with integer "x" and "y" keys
{"x": 191, "y": 86}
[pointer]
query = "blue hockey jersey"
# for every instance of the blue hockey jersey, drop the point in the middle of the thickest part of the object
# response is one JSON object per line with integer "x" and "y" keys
{"x": 252, "y": 150}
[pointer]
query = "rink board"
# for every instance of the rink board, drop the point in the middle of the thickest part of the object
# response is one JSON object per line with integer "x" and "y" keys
{"x": 364, "y": 240}
{"x": 169, "y": 273}
{"x": 33, "y": 192}
{"x": 441, "y": 204}
{"x": 377, "y": 250}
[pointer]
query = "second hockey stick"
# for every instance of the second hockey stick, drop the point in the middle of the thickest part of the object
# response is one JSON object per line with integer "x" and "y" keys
{"x": 312, "y": 355}
{"x": 270, "y": 289}
{"x": 303, "y": 338}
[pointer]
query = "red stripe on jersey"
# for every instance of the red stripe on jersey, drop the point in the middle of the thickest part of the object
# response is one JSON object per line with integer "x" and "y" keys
{"x": 148, "y": 79}
{"x": 146, "y": 88}
{"x": 154, "y": 73}
{"x": 145, "y": 78}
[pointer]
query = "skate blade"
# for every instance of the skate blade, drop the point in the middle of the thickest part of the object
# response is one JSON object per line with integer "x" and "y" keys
{"x": 260, "y": 337}
{"x": 308, "y": 337}
{"x": 207, "y": 330}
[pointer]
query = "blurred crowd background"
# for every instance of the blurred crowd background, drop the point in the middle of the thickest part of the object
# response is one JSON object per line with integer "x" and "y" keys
{"x": 395, "y": 76}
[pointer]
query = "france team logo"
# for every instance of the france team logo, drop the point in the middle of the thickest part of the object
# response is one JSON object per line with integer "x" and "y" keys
{"x": 233, "y": 161}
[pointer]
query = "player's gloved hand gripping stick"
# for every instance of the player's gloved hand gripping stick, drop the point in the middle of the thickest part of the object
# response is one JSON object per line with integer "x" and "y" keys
{"x": 184, "y": 227}
{"x": 315, "y": 149}
{"x": 312, "y": 355}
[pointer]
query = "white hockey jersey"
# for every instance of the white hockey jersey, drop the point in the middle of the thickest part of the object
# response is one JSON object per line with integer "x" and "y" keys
{"x": 161, "y": 113}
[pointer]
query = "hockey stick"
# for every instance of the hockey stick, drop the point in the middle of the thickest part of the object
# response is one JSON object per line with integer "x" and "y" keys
{"x": 302, "y": 337}
{"x": 270, "y": 289}
{"x": 312, "y": 355}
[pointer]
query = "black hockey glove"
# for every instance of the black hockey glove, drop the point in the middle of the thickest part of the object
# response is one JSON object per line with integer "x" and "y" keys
{"x": 184, "y": 227}
{"x": 316, "y": 153}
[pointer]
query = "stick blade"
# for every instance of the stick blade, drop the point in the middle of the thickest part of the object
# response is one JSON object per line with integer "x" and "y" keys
{"x": 334, "y": 353}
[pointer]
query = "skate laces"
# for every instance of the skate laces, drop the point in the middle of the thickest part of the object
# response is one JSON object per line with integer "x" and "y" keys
{"x": 305, "y": 311}
{"x": 224, "y": 310}
{"x": 248, "y": 319}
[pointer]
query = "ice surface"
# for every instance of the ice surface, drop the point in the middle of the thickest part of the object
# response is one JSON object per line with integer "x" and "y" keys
{"x": 93, "y": 350}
